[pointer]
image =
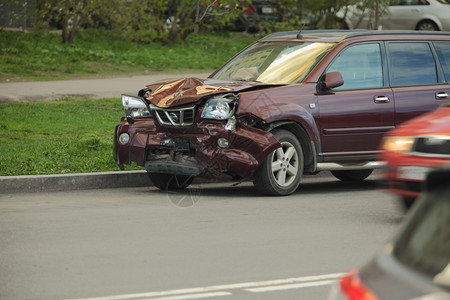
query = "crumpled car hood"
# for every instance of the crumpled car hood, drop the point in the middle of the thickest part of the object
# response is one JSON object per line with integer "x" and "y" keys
{"x": 187, "y": 90}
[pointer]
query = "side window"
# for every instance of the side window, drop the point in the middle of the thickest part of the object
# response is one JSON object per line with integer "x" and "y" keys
{"x": 411, "y": 63}
{"x": 408, "y": 2}
{"x": 443, "y": 51}
{"x": 360, "y": 66}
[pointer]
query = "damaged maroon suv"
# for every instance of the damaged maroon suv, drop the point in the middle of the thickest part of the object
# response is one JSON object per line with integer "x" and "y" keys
{"x": 287, "y": 105}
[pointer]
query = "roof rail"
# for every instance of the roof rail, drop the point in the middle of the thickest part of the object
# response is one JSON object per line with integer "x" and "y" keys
{"x": 306, "y": 33}
{"x": 345, "y": 33}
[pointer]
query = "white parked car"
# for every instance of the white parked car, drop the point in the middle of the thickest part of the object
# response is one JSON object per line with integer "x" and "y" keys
{"x": 430, "y": 15}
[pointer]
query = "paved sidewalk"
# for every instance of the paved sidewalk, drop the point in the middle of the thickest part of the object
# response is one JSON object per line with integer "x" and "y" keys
{"x": 107, "y": 87}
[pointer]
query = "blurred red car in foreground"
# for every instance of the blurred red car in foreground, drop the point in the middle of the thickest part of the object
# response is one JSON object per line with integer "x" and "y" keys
{"x": 413, "y": 149}
{"x": 416, "y": 263}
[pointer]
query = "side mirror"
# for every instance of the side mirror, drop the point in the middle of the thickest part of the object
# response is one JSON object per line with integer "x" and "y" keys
{"x": 330, "y": 81}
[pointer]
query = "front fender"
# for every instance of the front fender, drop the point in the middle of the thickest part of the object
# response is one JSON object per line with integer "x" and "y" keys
{"x": 274, "y": 112}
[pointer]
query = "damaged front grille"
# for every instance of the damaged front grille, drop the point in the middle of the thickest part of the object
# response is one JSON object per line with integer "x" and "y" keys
{"x": 432, "y": 146}
{"x": 175, "y": 116}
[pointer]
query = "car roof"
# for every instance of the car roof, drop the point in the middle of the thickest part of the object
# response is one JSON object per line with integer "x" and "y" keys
{"x": 339, "y": 35}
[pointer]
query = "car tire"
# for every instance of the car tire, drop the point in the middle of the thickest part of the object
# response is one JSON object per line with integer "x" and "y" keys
{"x": 352, "y": 175}
{"x": 281, "y": 171}
{"x": 169, "y": 182}
{"x": 427, "y": 26}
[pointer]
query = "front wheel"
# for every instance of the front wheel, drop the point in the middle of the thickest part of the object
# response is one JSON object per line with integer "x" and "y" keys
{"x": 280, "y": 172}
{"x": 427, "y": 26}
{"x": 352, "y": 175}
{"x": 169, "y": 182}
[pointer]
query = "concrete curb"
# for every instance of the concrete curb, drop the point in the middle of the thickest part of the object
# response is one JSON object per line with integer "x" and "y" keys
{"x": 85, "y": 181}
{"x": 66, "y": 182}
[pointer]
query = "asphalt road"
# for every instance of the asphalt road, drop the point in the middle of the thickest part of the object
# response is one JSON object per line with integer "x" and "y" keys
{"x": 215, "y": 241}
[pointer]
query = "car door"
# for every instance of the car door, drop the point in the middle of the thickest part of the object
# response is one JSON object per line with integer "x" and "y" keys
{"x": 416, "y": 77}
{"x": 354, "y": 116}
{"x": 403, "y": 14}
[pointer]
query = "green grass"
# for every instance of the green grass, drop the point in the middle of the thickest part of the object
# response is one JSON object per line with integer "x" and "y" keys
{"x": 60, "y": 136}
{"x": 42, "y": 56}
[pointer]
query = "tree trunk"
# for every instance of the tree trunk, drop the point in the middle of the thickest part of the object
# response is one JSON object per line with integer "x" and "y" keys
{"x": 377, "y": 14}
{"x": 72, "y": 19}
{"x": 197, "y": 16}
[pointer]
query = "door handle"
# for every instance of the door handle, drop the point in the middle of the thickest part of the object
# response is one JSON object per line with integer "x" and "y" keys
{"x": 441, "y": 95}
{"x": 381, "y": 99}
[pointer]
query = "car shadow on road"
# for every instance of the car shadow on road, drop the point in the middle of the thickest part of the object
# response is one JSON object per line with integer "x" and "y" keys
{"x": 219, "y": 189}
{"x": 214, "y": 191}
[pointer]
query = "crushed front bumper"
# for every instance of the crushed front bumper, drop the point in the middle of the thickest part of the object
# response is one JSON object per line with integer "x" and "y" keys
{"x": 193, "y": 151}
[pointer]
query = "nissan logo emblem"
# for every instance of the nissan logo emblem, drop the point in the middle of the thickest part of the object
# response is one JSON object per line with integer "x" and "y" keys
{"x": 174, "y": 117}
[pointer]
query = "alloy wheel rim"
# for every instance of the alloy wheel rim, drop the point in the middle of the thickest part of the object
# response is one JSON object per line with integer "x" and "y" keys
{"x": 285, "y": 164}
{"x": 427, "y": 27}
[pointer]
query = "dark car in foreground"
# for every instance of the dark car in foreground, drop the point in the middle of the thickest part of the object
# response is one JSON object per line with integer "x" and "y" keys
{"x": 413, "y": 149}
{"x": 416, "y": 263}
{"x": 292, "y": 103}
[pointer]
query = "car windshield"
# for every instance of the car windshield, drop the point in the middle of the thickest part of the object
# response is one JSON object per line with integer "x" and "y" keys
{"x": 274, "y": 62}
{"x": 425, "y": 244}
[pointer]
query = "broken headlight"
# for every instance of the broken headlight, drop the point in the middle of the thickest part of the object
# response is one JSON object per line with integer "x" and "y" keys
{"x": 220, "y": 107}
{"x": 134, "y": 106}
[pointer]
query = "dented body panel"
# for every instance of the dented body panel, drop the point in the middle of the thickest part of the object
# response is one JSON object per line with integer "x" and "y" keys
{"x": 193, "y": 150}
{"x": 293, "y": 103}
{"x": 188, "y": 90}
{"x": 194, "y": 153}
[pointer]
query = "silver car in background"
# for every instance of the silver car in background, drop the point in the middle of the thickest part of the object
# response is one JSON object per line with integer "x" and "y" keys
{"x": 432, "y": 15}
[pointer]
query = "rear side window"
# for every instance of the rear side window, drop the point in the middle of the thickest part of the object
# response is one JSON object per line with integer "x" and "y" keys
{"x": 411, "y": 63}
{"x": 443, "y": 51}
{"x": 360, "y": 66}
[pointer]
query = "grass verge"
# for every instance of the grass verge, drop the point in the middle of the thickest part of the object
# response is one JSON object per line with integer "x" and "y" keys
{"x": 61, "y": 136}
{"x": 42, "y": 56}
